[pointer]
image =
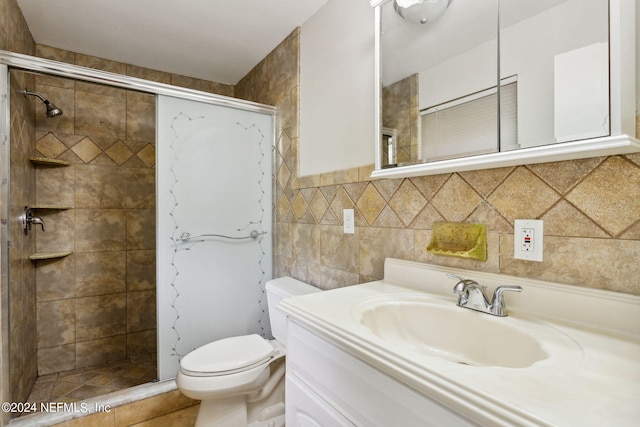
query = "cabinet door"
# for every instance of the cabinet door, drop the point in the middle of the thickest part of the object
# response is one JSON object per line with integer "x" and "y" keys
{"x": 306, "y": 409}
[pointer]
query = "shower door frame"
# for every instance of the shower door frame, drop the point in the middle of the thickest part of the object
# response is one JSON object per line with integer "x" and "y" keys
{"x": 60, "y": 69}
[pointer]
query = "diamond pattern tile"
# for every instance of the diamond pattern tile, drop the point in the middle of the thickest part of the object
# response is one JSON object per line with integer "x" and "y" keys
{"x": 485, "y": 181}
{"x": 370, "y": 204}
{"x": 283, "y": 175}
{"x": 387, "y": 218}
{"x": 565, "y": 220}
{"x": 50, "y": 146}
{"x": 299, "y": 206}
{"x": 283, "y": 205}
{"x": 387, "y": 187}
{"x": 609, "y": 195}
{"x": 456, "y": 199}
{"x": 147, "y": 155}
{"x": 119, "y": 153}
{"x": 407, "y": 202}
{"x": 564, "y": 176}
{"x": 86, "y": 150}
{"x": 341, "y": 201}
{"x": 318, "y": 205}
{"x": 523, "y": 195}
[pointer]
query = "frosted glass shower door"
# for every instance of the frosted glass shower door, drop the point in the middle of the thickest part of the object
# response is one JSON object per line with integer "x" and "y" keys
{"x": 214, "y": 179}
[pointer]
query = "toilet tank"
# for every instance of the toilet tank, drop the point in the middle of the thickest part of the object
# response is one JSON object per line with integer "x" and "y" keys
{"x": 277, "y": 290}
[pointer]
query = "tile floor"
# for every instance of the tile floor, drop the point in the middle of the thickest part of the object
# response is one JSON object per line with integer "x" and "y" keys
{"x": 83, "y": 383}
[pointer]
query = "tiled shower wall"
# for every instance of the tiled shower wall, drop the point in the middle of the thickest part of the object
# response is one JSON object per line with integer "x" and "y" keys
{"x": 97, "y": 304}
{"x": 590, "y": 208}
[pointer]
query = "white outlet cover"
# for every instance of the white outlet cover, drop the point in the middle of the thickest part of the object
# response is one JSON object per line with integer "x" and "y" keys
{"x": 348, "y": 221}
{"x": 528, "y": 239}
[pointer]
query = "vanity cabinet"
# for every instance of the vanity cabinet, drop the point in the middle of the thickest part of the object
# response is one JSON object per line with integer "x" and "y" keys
{"x": 327, "y": 386}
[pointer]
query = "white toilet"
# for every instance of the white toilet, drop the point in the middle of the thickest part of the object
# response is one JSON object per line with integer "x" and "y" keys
{"x": 239, "y": 380}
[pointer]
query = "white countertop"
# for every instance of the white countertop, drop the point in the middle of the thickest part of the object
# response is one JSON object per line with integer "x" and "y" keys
{"x": 591, "y": 377}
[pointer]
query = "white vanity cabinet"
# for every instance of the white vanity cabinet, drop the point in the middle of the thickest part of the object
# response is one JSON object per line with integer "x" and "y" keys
{"x": 327, "y": 386}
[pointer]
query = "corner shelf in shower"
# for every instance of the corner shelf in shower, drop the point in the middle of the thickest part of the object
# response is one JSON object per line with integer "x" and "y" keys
{"x": 45, "y": 161}
{"x": 48, "y": 255}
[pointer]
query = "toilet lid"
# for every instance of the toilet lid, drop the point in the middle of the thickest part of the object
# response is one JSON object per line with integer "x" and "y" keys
{"x": 228, "y": 354}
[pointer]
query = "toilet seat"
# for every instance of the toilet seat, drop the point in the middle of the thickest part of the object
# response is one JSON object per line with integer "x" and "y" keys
{"x": 228, "y": 356}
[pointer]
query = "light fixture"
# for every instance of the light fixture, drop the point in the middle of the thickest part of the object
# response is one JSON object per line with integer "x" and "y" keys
{"x": 420, "y": 11}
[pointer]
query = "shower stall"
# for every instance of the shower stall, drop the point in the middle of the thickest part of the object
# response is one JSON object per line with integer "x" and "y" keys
{"x": 151, "y": 228}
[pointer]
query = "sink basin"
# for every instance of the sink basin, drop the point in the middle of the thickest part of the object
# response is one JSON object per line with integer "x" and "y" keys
{"x": 456, "y": 334}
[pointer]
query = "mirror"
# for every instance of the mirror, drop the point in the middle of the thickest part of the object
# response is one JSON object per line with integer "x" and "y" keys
{"x": 490, "y": 76}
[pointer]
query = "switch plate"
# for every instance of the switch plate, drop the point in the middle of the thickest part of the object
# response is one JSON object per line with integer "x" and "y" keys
{"x": 528, "y": 239}
{"x": 349, "y": 225}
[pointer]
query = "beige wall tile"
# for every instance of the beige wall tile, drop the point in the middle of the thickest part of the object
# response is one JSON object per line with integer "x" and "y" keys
{"x": 100, "y": 273}
{"x": 100, "y": 229}
{"x": 99, "y": 419}
{"x": 141, "y": 310}
{"x": 376, "y": 244}
{"x": 55, "y": 186}
{"x": 141, "y": 269}
{"x": 98, "y": 351}
{"x": 602, "y": 266}
{"x": 141, "y": 188}
{"x": 56, "y": 322}
{"x": 182, "y": 418}
{"x": 100, "y": 187}
{"x": 100, "y": 115}
{"x": 100, "y": 64}
{"x": 55, "y": 279}
{"x": 141, "y": 121}
{"x": 101, "y": 316}
{"x": 619, "y": 180}
{"x": 56, "y": 359}
{"x": 59, "y": 230}
{"x": 151, "y": 408}
{"x": 337, "y": 249}
{"x": 141, "y": 229}
{"x": 142, "y": 343}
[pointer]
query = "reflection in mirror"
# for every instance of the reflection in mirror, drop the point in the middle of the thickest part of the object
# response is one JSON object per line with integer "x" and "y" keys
{"x": 558, "y": 53}
{"x": 440, "y": 78}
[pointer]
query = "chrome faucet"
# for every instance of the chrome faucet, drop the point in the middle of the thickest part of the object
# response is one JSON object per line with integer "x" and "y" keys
{"x": 471, "y": 295}
{"x": 28, "y": 219}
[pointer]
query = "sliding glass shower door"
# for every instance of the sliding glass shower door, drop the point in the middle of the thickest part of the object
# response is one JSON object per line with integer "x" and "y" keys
{"x": 214, "y": 225}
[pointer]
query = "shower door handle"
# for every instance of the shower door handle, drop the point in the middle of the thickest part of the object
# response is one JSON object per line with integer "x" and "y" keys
{"x": 185, "y": 237}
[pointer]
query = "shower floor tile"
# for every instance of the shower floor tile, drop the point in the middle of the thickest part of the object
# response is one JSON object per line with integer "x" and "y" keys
{"x": 84, "y": 383}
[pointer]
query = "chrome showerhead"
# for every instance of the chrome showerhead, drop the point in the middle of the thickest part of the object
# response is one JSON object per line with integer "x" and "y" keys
{"x": 52, "y": 110}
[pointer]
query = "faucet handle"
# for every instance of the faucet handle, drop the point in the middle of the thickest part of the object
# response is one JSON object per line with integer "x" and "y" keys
{"x": 462, "y": 283}
{"x": 497, "y": 304}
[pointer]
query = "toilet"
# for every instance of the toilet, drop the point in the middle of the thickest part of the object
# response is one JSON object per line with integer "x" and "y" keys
{"x": 239, "y": 380}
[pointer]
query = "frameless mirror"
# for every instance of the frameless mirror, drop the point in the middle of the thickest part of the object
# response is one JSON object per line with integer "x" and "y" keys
{"x": 464, "y": 78}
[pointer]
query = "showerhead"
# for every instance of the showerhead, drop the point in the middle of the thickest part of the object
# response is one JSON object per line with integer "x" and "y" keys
{"x": 52, "y": 110}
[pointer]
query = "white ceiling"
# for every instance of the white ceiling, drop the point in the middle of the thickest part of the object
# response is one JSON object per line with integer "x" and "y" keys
{"x": 218, "y": 40}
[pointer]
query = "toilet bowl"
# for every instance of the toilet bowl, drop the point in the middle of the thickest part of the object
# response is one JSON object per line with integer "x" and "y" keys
{"x": 239, "y": 380}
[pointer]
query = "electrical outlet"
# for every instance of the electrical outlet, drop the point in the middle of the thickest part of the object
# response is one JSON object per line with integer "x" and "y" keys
{"x": 348, "y": 221}
{"x": 528, "y": 239}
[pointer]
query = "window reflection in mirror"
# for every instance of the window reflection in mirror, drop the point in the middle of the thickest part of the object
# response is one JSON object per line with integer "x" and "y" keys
{"x": 440, "y": 79}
